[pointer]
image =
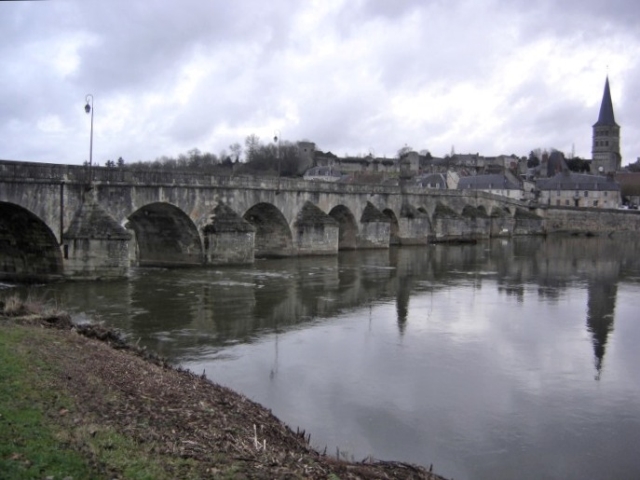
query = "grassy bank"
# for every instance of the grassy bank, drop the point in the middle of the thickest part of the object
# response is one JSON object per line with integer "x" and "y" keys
{"x": 76, "y": 402}
{"x": 29, "y": 427}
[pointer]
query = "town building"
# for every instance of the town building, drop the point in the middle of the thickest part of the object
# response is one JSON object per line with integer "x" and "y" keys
{"x": 546, "y": 180}
{"x": 569, "y": 189}
{"x": 497, "y": 184}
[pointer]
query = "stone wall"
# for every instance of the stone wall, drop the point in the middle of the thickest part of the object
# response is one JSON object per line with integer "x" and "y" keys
{"x": 590, "y": 220}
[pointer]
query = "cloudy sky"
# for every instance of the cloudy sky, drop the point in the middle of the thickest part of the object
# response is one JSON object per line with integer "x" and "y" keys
{"x": 353, "y": 76}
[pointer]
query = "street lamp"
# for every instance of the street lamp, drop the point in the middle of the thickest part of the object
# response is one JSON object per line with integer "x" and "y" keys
{"x": 276, "y": 140}
{"x": 89, "y": 109}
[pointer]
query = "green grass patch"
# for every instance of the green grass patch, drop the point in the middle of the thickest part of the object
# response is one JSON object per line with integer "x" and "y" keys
{"x": 29, "y": 445}
{"x": 38, "y": 438}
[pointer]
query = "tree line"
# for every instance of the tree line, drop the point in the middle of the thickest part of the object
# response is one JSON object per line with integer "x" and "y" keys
{"x": 278, "y": 157}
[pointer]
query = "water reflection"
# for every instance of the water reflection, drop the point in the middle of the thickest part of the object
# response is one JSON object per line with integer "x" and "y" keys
{"x": 478, "y": 357}
{"x": 178, "y": 311}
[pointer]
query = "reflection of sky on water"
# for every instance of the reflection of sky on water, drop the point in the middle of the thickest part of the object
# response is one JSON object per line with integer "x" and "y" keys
{"x": 474, "y": 374}
{"x": 490, "y": 361}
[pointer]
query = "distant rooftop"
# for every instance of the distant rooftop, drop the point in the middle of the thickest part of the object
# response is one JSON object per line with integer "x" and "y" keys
{"x": 578, "y": 181}
{"x": 487, "y": 182}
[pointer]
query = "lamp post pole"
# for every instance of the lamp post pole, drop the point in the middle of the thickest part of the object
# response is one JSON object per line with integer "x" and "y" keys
{"x": 276, "y": 140}
{"x": 88, "y": 108}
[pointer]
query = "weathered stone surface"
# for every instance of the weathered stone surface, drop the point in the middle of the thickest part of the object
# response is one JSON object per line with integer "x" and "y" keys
{"x": 478, "y": 222}
{"x": 414, "y": 226}
{"x": 95, "y": 245}
{"x": 372, "y": 214}
{"x": 444, "y": 211}
{"x": 229, "y": 239}
{"x": 92, "y": 222}
{"x": 590, "y": 220}
{"x": 528, "y": 223}
{"x": 170, "y": 215}
{"x": 230, "y": 248}
{"x": 96, "y": 259}
{"x": 224, "y": 219}
{"x": 316, "y": 232}
{"x": 375, "y": 228}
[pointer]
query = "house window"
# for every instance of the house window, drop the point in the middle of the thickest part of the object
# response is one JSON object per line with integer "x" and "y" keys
{"x": 595, "y": 203}
{"x": 605, "y": 193}
{"x": 558, "y": 202}
{"x": 586, "y": 193}
{"x": 566, "y": 202}
{"x": 558, "y": 193}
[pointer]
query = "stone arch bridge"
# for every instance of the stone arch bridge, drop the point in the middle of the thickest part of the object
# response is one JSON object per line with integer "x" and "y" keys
{"x": 72, "y": 221}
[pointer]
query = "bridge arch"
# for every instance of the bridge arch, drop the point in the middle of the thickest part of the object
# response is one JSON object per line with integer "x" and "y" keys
{"x": 347, "y": 227}
{"x": 501, "y": 211}
{"x": 29, "y": 250}
{"x": 164, "y": 236}
{"x": 273, "y": 234}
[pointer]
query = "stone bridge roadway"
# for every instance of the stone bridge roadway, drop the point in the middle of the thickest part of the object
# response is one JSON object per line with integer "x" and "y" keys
{"x": 65, "y": 220}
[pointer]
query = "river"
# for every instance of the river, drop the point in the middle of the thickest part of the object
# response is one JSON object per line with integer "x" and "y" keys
{"x": 514, "y": 358}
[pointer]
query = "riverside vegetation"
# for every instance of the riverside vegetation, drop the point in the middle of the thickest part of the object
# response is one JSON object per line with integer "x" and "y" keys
{"x": 77, "y": 401}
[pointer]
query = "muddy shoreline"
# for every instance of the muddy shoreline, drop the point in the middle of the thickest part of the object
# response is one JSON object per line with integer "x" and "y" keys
{"x": 177, "y": 414}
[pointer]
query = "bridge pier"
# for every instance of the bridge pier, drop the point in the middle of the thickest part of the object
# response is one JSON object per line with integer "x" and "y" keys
{"x": 528, "y": 223}
{"x": 414, "y": 227}
{"x": 502, "y": 223}
{"x": 228, "y": 239}
{"x": 448, "y": 226}
{"x": 316, "y": 232}
{"x": 479, "y": 225}
{"x": 95, "y": 246}
{"x": 375, "y": 228}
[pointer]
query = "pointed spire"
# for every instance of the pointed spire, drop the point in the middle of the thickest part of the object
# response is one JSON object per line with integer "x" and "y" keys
{"x": 606, "y": 117}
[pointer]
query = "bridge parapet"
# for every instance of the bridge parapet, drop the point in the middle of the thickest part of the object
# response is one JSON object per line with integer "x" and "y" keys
{"x": 81, "y": 174}
{"x": 168, "y": 215}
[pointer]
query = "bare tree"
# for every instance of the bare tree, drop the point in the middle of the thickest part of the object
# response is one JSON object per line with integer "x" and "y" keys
{"x": 236, "y": 151}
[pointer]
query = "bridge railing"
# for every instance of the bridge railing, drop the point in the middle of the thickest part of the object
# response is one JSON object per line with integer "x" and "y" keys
{"x": 41, "y": 171}
{"x": 31, "y": 171}
{"x": 100, "y": 175}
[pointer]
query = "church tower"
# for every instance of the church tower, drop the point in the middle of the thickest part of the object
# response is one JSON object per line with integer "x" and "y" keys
{"x": 605, "y": 148}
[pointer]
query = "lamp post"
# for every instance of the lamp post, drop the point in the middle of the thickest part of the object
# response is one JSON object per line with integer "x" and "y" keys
{"x": 276, "y": 140}
{"x": 89, "y": 109}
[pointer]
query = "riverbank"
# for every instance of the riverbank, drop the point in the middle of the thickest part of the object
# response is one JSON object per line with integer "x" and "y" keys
{"x": 77, "y": 402}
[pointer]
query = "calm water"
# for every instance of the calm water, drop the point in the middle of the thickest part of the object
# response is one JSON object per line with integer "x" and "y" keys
{"x": 510, "y": 359}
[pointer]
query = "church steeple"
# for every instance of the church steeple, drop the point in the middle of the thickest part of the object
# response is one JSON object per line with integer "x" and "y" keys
{"x": 605, "y": 147}
{"x": 606, "y": 117}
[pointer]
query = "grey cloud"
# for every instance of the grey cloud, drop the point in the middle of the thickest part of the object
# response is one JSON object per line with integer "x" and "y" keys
{"x": 260, "y": 60}
{"x": 149, "y": 42}
{"x": 568, "y": 17}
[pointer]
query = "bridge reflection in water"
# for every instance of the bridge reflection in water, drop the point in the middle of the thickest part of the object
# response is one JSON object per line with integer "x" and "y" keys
{"x": 495, "y": 360}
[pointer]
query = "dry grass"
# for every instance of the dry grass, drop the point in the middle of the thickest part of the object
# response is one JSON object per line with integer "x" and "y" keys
{"x": 180, "y": 423}
{"x": 34, "y": 309}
